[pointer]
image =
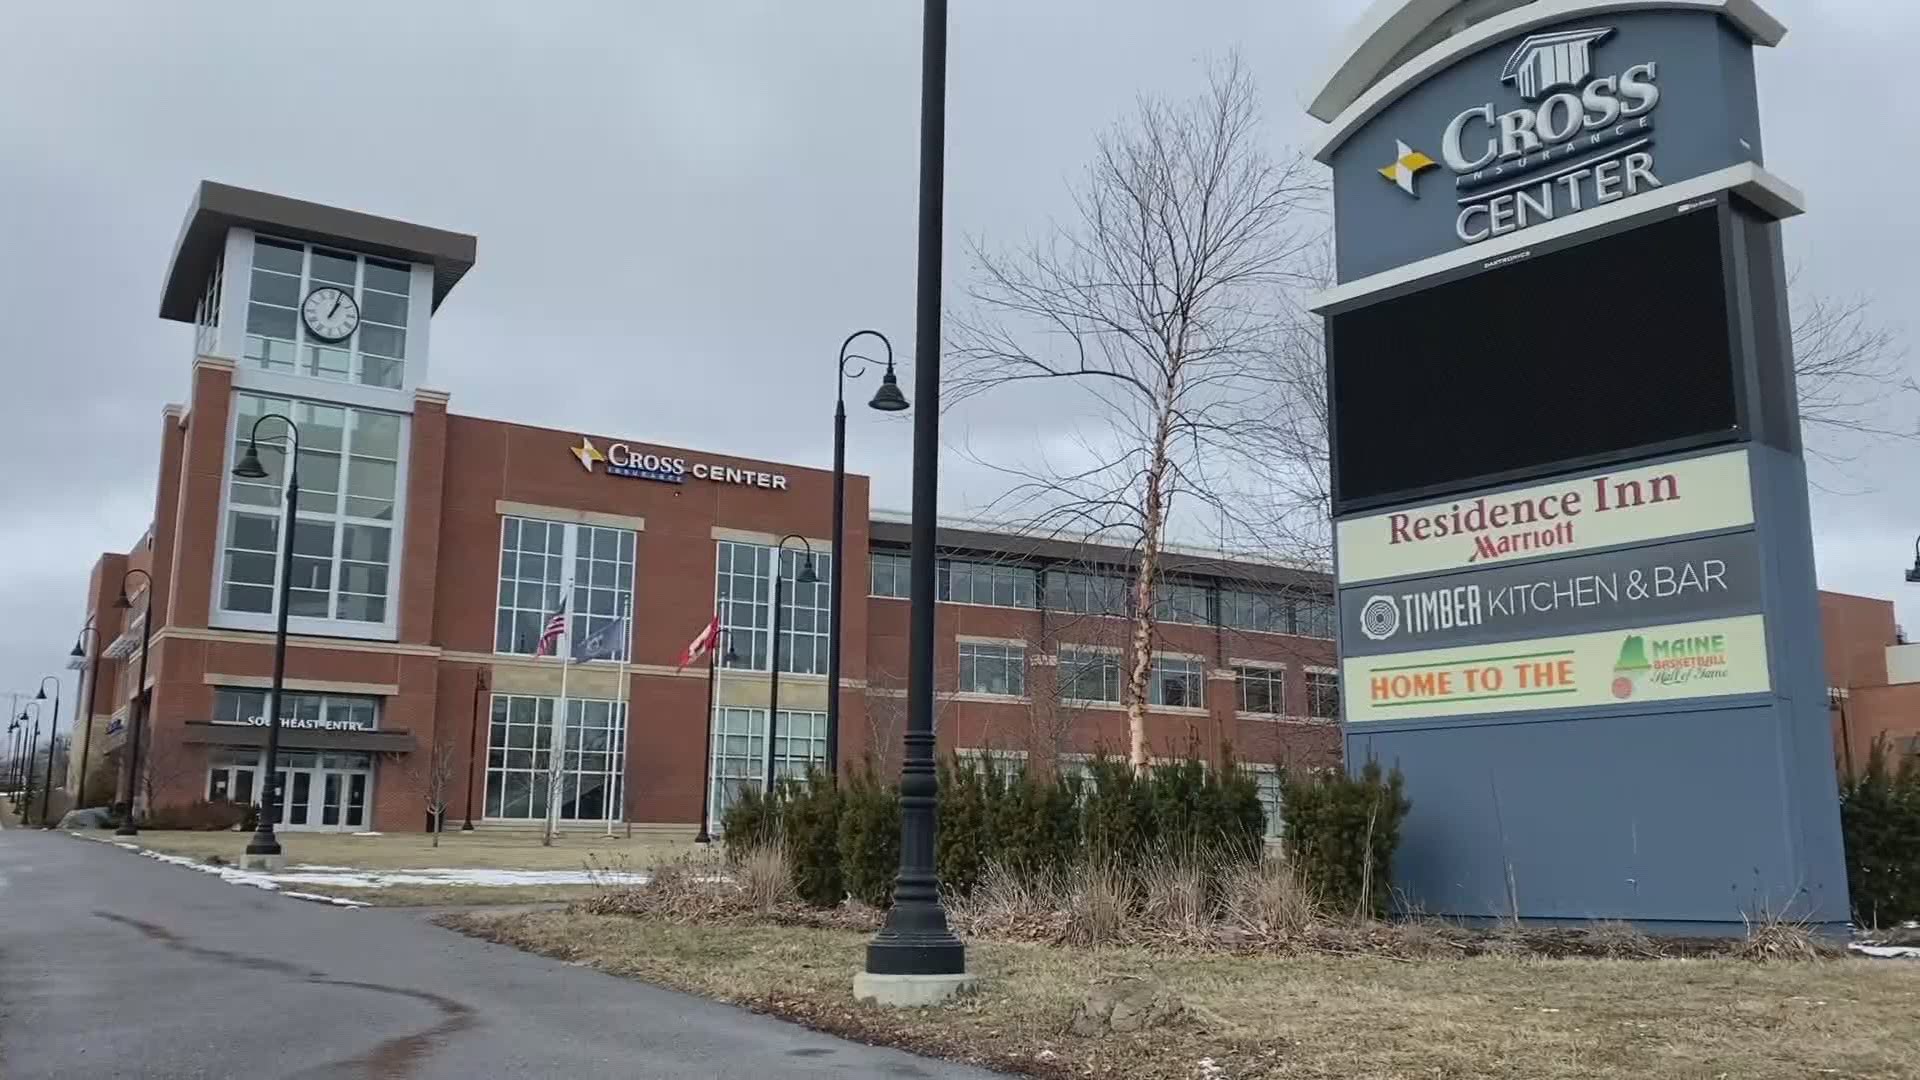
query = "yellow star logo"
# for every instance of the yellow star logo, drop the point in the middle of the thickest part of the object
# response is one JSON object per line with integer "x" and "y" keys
{"x": 1408, "y": 165}
{"x": 588, "y": 454}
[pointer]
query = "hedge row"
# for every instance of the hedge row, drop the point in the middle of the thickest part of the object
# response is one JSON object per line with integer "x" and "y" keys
{"x": 1880, "y": 818}
{"x": 845, "y": 840}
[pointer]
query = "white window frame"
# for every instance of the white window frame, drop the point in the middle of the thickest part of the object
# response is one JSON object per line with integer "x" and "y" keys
{"x": 785, "y": 765}
{"x": 617, "y": 729}
{"x": 899, "y": 559}
{"x": 356, "y": 357}
{"x": 580, "y": 624}
{"x": 1274, "y": 671}
{"x": 1339, "y": 690}
{"x": 1197, "y": 669}
{"x": 387, "y": 630}
{"x": 745, "y": 649}
{"x": 1107, "y": 654}
{"x": 1015, "y": 658}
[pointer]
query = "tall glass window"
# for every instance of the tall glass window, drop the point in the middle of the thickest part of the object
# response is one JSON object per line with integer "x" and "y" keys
{"x": 743, "y": 595}
{"x": 537, "y": 561}
{"x": 1177, "y": 681}
{"x": 740, "y": 748}
{"x": 1263, "y": 690}
{"x": 1180, "y": 602}
{"x": 993, "y": 669}
{"x": 891, "y": 575}
{"x": 284, "y": 272}
{"x": 343, "y": 531}
{"x": 1323, "y": 695}
{"x": 527, "y": 775}
{"x": 1089, "y": 675}
{"x": 964, "y": 582}
{"x": 1271, "y": 612}
{"x": 1087, "y": 593}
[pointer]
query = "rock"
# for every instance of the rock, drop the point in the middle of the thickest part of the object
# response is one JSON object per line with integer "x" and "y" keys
{"x": 1136, "y": 1005}
{"x": 86, "y": 819}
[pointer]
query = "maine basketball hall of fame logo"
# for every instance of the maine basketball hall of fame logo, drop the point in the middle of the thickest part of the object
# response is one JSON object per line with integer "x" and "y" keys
{"x": 1580, "y": 139}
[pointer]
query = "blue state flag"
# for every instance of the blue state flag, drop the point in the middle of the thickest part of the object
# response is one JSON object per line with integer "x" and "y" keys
{"x": 607, "y": 643}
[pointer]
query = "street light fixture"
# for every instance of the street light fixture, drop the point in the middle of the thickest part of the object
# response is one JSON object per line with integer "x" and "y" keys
{"x": 53, "y": 735}
{"x": 86, "y": 692}
{"x": 915, "y": 940}
{"x": 264, "y": 844}
{"x": 887, "y": 398}
{"x": 136, "y": 712}
{"x": 13, "y": 761}
{"x": 33, "y": 746}
{"x": 806, "y": 576}
{"x": 1913, "y": 575}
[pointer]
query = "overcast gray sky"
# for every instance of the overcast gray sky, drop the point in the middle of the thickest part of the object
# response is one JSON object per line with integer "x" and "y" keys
{"x": 683, "y": 207}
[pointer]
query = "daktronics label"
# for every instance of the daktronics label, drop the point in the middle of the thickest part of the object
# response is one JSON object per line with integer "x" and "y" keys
{"x": 1615, "y": 667}
{"x": 1602, "y": 509}
{"x": 1678, "y": 581}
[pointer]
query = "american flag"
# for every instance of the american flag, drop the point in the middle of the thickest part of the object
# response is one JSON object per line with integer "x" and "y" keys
{"x": 550, "y": 637}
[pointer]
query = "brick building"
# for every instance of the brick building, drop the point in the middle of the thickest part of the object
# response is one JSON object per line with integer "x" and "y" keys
{"x": 1873, "y": 676}
{"x": 431, "y": 549}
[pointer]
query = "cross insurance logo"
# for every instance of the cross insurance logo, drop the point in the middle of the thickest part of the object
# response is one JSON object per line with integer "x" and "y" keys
{"x": 1576, "y": 140}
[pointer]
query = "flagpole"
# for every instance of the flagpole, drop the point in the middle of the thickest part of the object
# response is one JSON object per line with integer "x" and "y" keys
{"x": 618, "y": 780}
{"x": 706, "y": 754}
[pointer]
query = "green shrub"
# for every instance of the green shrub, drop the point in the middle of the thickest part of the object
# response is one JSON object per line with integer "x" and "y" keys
{"x": 1880, "y": 820}
{"x": 1035, "y": 822}
{"x": 1116, "y": 817}
{"x": 810, "y": 823}
{"x": 960, "y": 852}
{"x": 869, "y": 838}
{"x": 1341, "y": 834}
{"x": 750, "y": 821}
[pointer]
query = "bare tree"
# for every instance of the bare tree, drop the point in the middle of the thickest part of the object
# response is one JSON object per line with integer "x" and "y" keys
{"x": 1156, "y": 301}
{"x": 431, "y": 774}
{"x": 1855, "y": 384}
{"x": 169, "y": 773}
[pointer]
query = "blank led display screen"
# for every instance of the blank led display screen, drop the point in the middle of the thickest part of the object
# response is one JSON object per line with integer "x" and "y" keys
{"x": 1607, "y": 346}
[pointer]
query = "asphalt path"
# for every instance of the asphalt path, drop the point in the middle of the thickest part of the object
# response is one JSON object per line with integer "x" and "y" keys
{"x": 112, "y": 965}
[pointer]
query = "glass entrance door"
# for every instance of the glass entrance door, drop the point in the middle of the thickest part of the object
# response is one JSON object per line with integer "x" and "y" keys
{"x": 325, "y": 792}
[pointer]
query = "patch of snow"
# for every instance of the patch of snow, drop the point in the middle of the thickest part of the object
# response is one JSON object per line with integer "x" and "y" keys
{"x": 1889, "y": 952}
{"x": 236, "y": 876}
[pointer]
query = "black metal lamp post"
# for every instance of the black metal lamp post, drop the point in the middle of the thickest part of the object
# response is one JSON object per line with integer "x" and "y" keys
{"x": 86, "y": 689}
{"x": 136, "y": 712}
{"x": 264, "y": 843}
{"x": 886, "y": 399}
{"x": 915, "y": 939}
{"x": 473, "y": 737}
{"x": 1913, "y": 575}
{"x": 53, "y": 737}
{"x": 13, "y": 760}
{"x": 33, "y": 747}
{"x": 806, "y": 576}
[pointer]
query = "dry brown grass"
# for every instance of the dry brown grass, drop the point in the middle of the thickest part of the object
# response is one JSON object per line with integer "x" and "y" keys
{"x": 453, "y": 895}
{"x": 480, "y": 849}
{"x": 1308, "y": 1015}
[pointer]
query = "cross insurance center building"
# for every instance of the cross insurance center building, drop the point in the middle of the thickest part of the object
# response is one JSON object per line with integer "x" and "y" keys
{"x": 431, "y": 548}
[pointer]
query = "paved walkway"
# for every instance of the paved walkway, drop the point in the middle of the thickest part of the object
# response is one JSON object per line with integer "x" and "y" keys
{"x": 112, "y": 965}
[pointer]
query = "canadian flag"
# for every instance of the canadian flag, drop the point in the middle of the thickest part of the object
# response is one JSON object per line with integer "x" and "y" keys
{"x": 702, "y": 643}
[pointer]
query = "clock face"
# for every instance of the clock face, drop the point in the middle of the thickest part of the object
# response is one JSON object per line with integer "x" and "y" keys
{"x": 330, "y": 313}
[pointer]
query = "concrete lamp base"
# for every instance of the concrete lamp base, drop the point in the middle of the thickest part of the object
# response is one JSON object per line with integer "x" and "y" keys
{"x": 912, "y": 991}
{"x": 266, "y": 864}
